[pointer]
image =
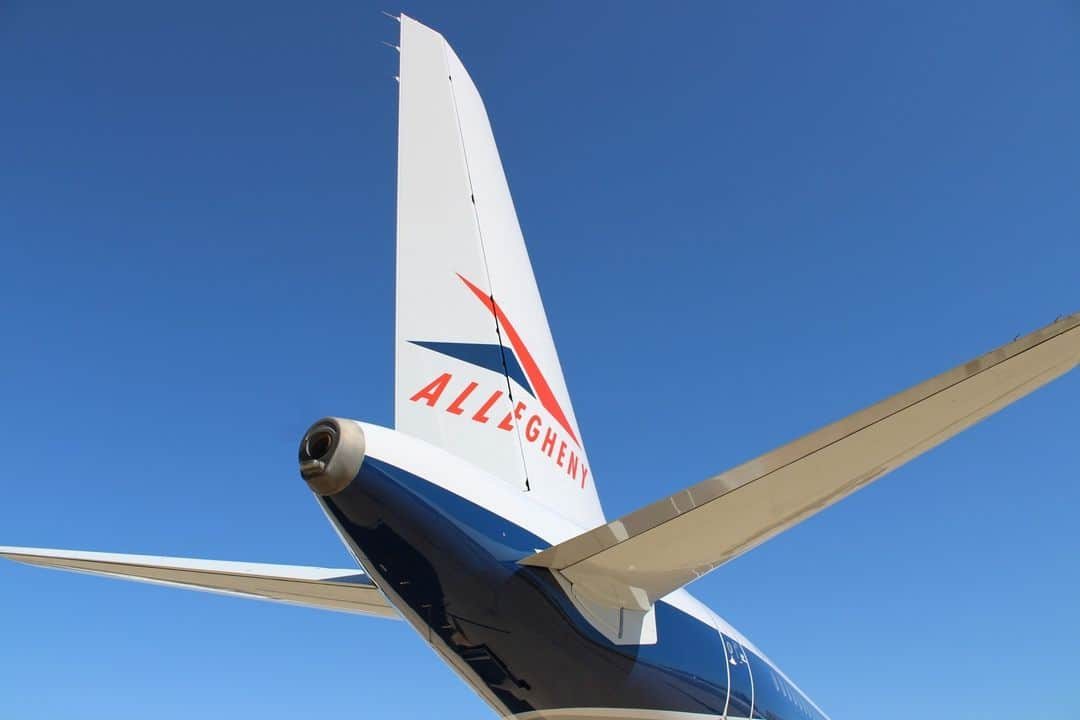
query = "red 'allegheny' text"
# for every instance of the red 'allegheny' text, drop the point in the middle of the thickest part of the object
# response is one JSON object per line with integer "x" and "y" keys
{"x": 533, "y": 430}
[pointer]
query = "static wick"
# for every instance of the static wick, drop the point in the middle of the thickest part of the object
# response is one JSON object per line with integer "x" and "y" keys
{"x": 392, "y": 17}
{"x": 390, "y": 45}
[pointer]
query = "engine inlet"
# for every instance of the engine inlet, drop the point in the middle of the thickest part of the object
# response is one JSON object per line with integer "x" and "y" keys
{"x": 331, "y": 452}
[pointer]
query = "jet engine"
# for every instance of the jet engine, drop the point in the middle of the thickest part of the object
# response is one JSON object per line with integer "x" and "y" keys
{"x": 331, "y": 452}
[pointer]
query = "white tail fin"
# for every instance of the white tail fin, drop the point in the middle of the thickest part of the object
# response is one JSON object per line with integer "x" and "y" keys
{"x": 476, "y": 367}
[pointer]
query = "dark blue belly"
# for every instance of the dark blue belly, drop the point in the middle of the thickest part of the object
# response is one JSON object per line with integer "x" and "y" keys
{"x": 454, "y": 565}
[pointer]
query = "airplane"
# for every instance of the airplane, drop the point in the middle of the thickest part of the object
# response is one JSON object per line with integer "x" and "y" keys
{"x": 476, "y": 518}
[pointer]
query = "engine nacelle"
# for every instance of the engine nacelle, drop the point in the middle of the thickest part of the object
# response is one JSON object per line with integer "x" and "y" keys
{"x": 331, "y": 453}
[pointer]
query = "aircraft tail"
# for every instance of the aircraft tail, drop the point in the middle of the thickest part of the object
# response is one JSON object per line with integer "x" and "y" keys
{"x": 476, "y": 368}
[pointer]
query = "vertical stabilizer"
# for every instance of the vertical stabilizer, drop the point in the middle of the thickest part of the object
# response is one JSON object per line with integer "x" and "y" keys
{"x": 476, "y": 367}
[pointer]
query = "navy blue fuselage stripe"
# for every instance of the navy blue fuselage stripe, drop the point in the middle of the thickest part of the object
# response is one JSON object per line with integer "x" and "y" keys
{"x": 454, "y": 564}
{"x": 489, "y": 357}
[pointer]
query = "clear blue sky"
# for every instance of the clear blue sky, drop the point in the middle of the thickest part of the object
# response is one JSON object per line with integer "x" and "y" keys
{"x": 746, "y": 219}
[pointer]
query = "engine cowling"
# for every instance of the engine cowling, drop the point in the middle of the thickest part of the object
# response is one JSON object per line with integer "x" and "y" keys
{"x": 331, "y": 453}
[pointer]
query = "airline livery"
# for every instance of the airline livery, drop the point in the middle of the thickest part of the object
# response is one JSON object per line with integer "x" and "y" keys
{"x": 476, "y": 518}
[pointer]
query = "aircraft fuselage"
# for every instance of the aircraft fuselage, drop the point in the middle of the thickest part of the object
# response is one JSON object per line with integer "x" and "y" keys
{"x": 450, "y": 567}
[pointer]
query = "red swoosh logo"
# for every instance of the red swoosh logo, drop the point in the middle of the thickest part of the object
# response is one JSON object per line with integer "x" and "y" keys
{"x": 532, "y": 370}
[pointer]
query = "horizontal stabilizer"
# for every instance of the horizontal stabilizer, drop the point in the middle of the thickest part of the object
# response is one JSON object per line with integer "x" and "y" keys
{"x": 641, "y": 557}
{"x": 348, "y": 590}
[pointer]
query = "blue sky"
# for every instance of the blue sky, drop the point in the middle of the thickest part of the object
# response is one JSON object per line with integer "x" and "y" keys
{"x": 747, "y": 220}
